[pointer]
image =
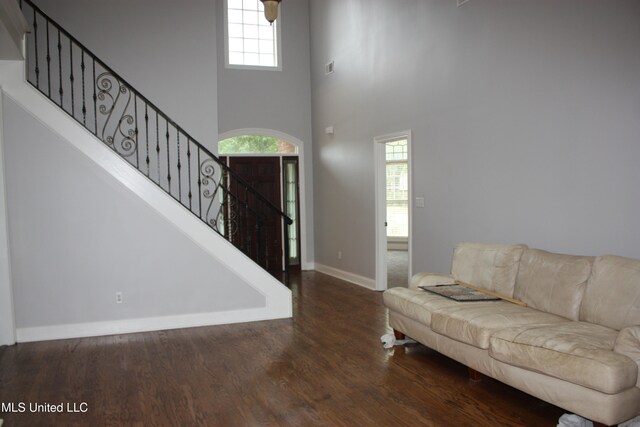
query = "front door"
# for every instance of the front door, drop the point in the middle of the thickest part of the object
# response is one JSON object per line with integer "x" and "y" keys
{"x": 254, "y": 220}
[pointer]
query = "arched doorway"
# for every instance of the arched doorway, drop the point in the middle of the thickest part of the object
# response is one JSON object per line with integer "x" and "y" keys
{"x": 273, "y": 163}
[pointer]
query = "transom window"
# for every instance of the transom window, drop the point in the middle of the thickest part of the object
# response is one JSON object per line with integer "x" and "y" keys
{"x": 251, "y": 41}
{"x": 255, "y": 144}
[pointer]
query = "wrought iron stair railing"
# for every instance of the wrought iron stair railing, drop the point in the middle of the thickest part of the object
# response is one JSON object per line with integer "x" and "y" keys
{"x": 67, "y": 73}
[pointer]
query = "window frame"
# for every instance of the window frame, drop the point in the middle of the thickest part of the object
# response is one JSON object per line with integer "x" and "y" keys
{"x": 278, "y": 45}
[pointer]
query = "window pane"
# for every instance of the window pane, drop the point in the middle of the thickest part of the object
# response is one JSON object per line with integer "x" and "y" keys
{"x": 251, "y": 59}
{"x": 235, "y": 16}
{"x": 265, "y": 33}
{"x": 266, "y": 46}
{"x": 235, "y": 30}
{"x": 251, "y": 46}
{"x": 236, "y": 58}
{"x": 266, "y": 60}
{"x": 235, "y": 45}
{"x": 255, "y": 144}
{"x": 291, "y": 208}
{"x": 251, "y": 31}
{"x": 250, "y": 4}
{"x": 250, "y": 17}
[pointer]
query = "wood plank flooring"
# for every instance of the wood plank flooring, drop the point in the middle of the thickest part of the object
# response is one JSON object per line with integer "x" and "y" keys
{"x": 324, "y": 367}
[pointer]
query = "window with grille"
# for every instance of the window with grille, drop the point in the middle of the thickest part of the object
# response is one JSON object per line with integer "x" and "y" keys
{"x": 396, "y": 158}
{"x": 251, "y": 42}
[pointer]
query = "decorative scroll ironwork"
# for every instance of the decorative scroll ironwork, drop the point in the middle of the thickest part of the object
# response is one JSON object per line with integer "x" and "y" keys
{"x": 211, "y": 185}
{"x": 114, "y": 100}
{"x": 110, "y": 110}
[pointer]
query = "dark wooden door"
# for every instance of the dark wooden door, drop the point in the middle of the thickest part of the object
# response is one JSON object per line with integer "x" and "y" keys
{"x": 257, "y": 227}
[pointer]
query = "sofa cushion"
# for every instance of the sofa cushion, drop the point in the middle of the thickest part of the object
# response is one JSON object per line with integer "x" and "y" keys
{"x": 628, "y": 344}
{"x": 553, "y": 283}
{"x": 474, "y": 323}
{"x": 612, "y": 295}
{"x": 491, "y": 267}
{"x": 415, "y": 303}
{"x": 577, "y": 352}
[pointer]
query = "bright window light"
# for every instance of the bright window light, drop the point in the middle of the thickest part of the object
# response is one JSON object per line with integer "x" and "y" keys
{"x": 251, "y": 41}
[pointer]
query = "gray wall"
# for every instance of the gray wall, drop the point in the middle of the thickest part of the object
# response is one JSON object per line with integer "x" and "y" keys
{"x": 77, "y": 236}
{"x": 525, "y": 119}
{"x": 166, "y": 49}
{"x": 269, "y": 99}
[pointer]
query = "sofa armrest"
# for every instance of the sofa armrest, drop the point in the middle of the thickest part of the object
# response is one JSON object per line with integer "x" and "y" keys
{"x": 628, "y": 344}
{"x": 430, "y": 279}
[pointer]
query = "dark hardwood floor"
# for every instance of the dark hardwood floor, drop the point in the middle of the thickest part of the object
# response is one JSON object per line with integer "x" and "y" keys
{"x": 325, "y": 366}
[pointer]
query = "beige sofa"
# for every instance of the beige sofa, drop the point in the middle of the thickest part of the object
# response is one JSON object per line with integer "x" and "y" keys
{"x": 576, "y": 344}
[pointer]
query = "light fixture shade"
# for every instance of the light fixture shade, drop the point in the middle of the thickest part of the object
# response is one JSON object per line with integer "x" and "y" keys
{"x": 270, "y": 9}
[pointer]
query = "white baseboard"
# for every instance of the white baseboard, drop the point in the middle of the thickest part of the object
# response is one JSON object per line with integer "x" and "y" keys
{"x": 365, "y": 282}
{"x": 81, "y": 330}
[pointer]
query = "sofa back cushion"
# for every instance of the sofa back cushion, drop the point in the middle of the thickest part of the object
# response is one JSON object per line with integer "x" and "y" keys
{"x": 491, "y": 267}
{"x": 612, "y": 296}
{"x": 553, "y": 283}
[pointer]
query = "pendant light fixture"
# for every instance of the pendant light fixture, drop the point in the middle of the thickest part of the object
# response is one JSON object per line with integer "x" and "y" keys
{"x": 271, "y": 9}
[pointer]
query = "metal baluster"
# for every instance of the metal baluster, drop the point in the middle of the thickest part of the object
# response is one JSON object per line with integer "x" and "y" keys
{"x": 135, "y": 121}
{"x": 158, "y": 146}
{"x": 199, "y": 184}
{"x": 286, "y": 250}
{"x": 146, "y": 133}
{"x": 35, "y": 38}
{"x": 95, "y": 97}
{"x": 73, "y": 111}
{"x": 60, "y": 90}
{"x": 224, "y": 204}
{"x": 48, "y": 60}
{"x": 233, "y": 210}
{"x": 259, "y": 241}
{"x": 84, "y": 103}
{"x": 189, "y": 169}
{"x": 168, "y": 159}
{"x": 247, "y": 228}
{"x": 179, "y": 167}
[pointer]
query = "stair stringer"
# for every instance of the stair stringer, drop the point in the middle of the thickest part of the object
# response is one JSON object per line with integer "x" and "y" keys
{"x": 278, "y": 297}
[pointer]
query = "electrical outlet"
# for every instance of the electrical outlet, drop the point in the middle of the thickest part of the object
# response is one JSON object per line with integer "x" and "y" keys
{"x": 339, "y": 254}
{"x": 118, "y": 297}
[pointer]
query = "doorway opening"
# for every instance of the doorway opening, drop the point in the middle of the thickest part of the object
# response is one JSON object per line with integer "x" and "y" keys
{"x": 393, "y": 213}
{"x": 271, "y": 165}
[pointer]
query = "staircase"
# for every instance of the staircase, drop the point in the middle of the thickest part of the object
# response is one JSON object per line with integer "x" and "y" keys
{"x": 96, "y": 97}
